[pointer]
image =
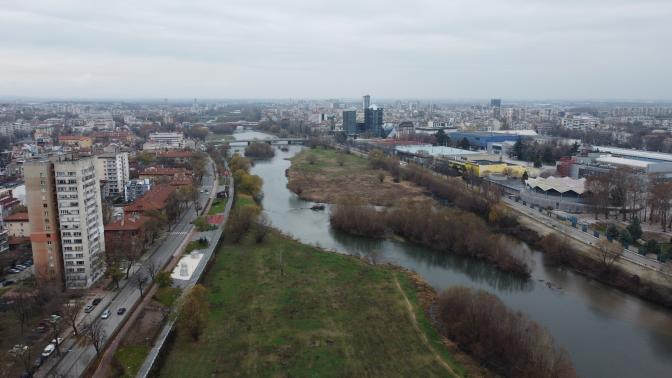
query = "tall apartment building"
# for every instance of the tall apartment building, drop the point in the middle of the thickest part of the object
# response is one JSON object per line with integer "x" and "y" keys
{"x": 366, "y": 102}
{"x": 373, "y": 120}
{"x": 66, "y": 220}
{"x": 112, "y": 170}
{"x": 350, "y": 121}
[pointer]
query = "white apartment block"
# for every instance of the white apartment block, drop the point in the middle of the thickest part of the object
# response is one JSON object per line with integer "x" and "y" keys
{"x": 113, "y": 172}
{"x": 80, "y": 221}
{"x": 158, "y": 141}
{"x": 579, "y": 122}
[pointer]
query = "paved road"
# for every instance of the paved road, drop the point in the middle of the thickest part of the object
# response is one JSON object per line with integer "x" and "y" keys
{"x": 76, "y": 358}
{"x": 576, "y": 233}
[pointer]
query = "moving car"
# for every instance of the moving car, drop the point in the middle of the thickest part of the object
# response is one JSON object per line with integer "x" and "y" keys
{"x": 106, "y": 314}
{"x": 48, "y": 350}
{"x": 121, "y": 311}
{"x": 88, "y": 308}
{"x": 96, "y": 301}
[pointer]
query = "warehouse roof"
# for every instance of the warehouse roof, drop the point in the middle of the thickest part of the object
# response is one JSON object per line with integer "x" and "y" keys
{"x": 559, "y": 184}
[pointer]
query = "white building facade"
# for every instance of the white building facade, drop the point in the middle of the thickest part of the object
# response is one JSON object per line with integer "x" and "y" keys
{"x": 113, "y": 172}
{"x": 80, "y": 222}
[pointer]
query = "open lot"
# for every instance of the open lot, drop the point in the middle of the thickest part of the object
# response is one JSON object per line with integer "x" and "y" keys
{"x": 325, "y": 180}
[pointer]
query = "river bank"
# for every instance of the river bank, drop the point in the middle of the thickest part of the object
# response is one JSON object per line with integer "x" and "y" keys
{"x": 592, "y": 321}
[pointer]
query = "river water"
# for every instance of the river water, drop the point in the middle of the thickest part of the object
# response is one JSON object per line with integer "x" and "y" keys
{"x": 607, "y": 333}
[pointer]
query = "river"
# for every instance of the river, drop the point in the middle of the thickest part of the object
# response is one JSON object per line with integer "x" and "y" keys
{"x": 607, "y": 333}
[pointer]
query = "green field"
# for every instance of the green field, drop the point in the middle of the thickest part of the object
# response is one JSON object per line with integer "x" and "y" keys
{"x": 218, "y": 206}
{"x": 326, "y": 159}
{"x": 286, "y": 309}
{"x": 131, "y": 358}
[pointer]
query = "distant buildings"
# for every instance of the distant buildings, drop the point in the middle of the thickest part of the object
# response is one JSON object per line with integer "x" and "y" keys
{"x": 66, "y": 222}
{"x": 373, "y": 121}
{"x": 496, "y": 106}
{"x": 165, "y": 141}
{"x": 366, "y": 102}
{"x": 113, "y": 171}
{"x": 350, "y": 121}
{"x": 579, "y": 122}
{"x": 604, "y": 159}
{"x": 77, "y": 142}
{"x": 136, "y": 188}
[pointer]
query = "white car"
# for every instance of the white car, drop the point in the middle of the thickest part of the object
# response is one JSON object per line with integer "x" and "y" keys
{"x": 48, "y": 350}
{"x": 106, "y": 314}
{"x": 59, "y": 339}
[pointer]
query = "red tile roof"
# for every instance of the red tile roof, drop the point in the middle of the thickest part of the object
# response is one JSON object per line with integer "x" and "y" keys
{"x": 172, "y": 154}
{"x": 154, "y": 199}
{"x": 18, "y": 217}
{"x": 130, "y": 223}
{"x": 73, "y": 137}
{"x": 164, "y": 171}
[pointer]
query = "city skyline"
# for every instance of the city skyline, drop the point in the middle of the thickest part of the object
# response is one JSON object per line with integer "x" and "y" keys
{"x": 594, "y": 50}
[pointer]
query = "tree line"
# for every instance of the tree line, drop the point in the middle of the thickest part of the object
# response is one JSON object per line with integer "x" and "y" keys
{"x": 646, "y": 197}
{"x": 442, "y": 229}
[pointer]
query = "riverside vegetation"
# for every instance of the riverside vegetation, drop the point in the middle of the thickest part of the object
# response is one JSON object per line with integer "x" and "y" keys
{"x": 468, "y": 318}
{"x": 274, "y": 306}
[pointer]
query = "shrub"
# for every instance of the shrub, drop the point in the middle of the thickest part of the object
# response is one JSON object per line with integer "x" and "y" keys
{"x": 506, "y": 341}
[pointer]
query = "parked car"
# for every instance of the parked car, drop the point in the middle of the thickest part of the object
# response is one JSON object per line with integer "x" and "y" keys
{"x": 121, "y": 311}
{"x": 20, "y": 266}
{"x": 59, "y": 339}
{"x": 7, "y": 283}
{"x": 88, "y": 308}
{"x": 48, "y": 350}
{"x": 106, "y": 314}
{"x": 96, "y": 301}
{"x": 14, "y": 270}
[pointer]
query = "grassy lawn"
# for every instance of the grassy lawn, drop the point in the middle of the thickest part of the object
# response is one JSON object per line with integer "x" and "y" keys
{"x": 194, "y": 245}
{"x": 218, "y": 206}
{"x": 326, "y": 159}
{"x": 131, "y": 358}
{"x": 201, "y": 224}
{"x": 282, "y": 308}
{"x": 167, "y": 295}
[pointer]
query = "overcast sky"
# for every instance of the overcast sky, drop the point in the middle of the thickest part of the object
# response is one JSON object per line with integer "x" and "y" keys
{"x": 448, "y": 49}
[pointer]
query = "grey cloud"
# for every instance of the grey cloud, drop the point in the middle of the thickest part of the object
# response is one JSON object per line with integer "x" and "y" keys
{"x": 306, "y": 48}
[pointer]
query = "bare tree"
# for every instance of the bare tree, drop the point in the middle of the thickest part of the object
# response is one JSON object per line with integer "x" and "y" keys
{"x": 23, "y": 354}
{"x": 54, "y": 324}
{"x": 95, "y": 334}
{"x": 139, "y": 280}
{"x": 70, "y": 312}
{"x": 132, "y": 252}
{"x": 609, "y": 253}
{"x": 152, "y": 268}
{"x": 21, "y": 306}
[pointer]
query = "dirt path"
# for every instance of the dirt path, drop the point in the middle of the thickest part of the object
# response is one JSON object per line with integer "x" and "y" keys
{"x": 411, "y": 312}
